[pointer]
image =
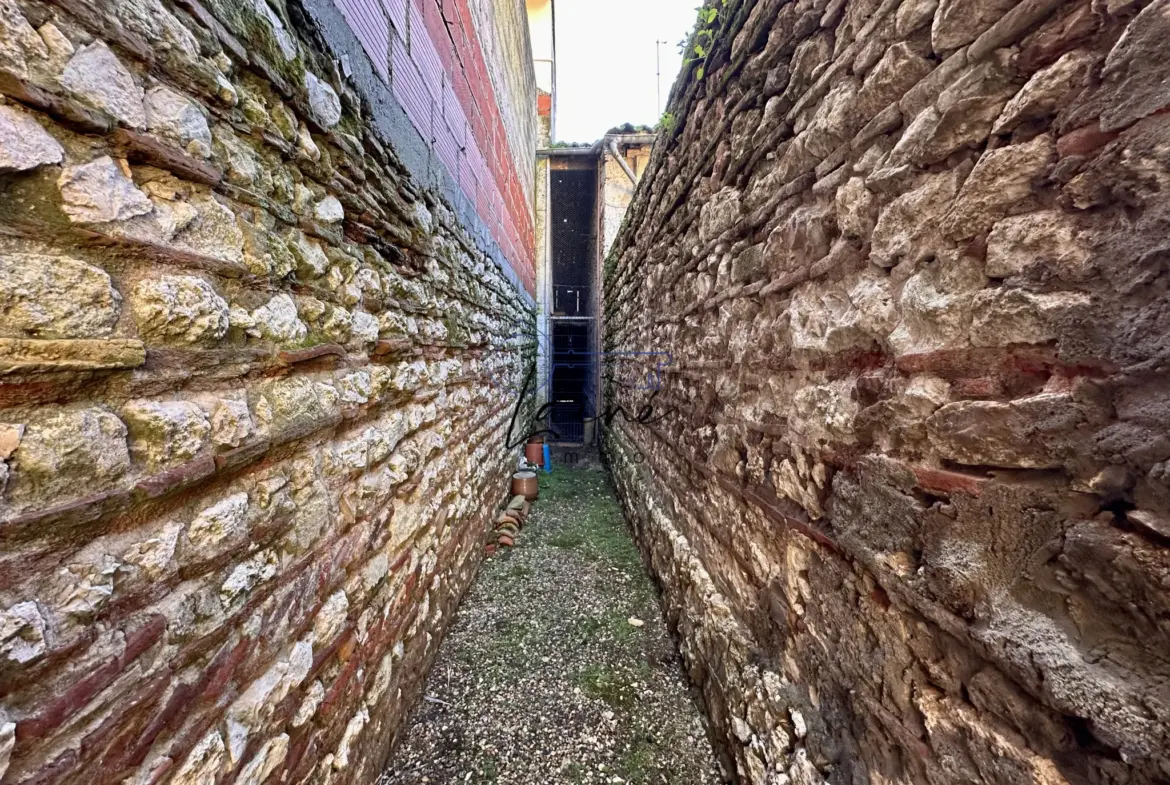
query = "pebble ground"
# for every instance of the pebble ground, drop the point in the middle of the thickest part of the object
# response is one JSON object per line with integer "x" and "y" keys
{"x": 558, "y": 667}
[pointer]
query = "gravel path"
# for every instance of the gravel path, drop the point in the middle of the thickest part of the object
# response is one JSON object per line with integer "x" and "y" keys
{"x": 558, "y": 667}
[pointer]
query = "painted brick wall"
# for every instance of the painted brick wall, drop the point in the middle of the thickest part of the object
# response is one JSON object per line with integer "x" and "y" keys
{"x": 432, "y": 55}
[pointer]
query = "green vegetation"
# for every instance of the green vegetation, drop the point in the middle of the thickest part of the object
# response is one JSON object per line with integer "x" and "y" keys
{"x": 604, "y": 683}
{"x": 566, "y": 540}
{"x": 702, "y": 41}
{"x": 667, "y": 124}
{"x": 630, "y": 128}
{"x": 488, "y": 769}
{"x": 518, "y": 572}
{"x": 600, "y": 533}
{"x": 547, "y": 625}
{"x": 637, "y": 764}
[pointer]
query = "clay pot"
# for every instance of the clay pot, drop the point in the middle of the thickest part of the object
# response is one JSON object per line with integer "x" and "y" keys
{"x": 534, "y": 453}
{"x": 524, "y": 484}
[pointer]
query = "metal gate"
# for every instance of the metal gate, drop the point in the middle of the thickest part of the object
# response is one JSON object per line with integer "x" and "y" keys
{"x": 573, "y": 195}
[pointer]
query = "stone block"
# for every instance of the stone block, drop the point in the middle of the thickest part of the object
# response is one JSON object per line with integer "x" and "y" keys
{"x": 962, "y": 117}
{"x": 912, "y": 15}
{"x": 22, "y": 639}
{"x": 265, "y": 762}
{"x": 899, "y": 69}
{"x": 310, "y": 258}
{"x": 231, "y": 422}
{"x": 1016, "y": 434}
{"x": 959, "y": 22}
{"x": 831, "y": 319}
{"x": 277, "y": 320}
{"x": 1001, "y": 317}
{"x": 328, "y": 210}
{"x": 178, "y": 119}
{"x": 179, "y": 310}
{"x": 214, "y": 232}
{"x": 1137, "y": 68}
{"x": 20, "y": 45}
{"x": 907, "y": 229}
{"x": 165, "y": 433}
{"x": 1046, "y": 92}
{"x": 1042, "y": 242}
{"x": 101, "y": 192}
{"x": 216, "y": 529}
{"x": 97, "y": 78}
{"x": 323, "y": 101}
{"x": 153, "y": 557}
{"x": 204, "y": 763}
{"x": 719, "y": 214}
{"x": 1001, "y": 183}
{"x": 293, "y": 405}
{"x": 45, "y": 296}
{"x": 68, "y": 452}
{"x": 24, "y": 144}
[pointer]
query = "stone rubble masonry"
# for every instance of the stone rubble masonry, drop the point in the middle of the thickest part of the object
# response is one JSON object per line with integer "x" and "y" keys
{"x": 906, "y": 483}
{"x": 252, "y": 433}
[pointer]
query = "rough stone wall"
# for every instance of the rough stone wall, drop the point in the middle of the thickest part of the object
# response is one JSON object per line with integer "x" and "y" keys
{"x": 250, "y": 433}
{"x": 906, "y": 480}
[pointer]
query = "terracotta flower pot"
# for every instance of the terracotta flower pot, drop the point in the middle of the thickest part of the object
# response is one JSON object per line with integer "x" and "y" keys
{"x": 534, "y": 453}
{"x": 524, "y": 484}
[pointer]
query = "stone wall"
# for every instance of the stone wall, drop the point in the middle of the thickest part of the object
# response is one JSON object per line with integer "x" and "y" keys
{"x": 250, "y": 433}
{"x": 905, "y": 481}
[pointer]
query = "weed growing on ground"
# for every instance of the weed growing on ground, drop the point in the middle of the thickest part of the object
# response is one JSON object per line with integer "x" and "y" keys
{"x": 604, "y": 683}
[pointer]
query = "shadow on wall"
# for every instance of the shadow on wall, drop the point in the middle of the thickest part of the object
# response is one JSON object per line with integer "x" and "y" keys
{"x": 909, "y": 502}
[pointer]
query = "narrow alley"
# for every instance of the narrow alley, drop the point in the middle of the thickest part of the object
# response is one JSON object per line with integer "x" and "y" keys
{"x": 865, "y": 305}
{"x": 558, "y": 667}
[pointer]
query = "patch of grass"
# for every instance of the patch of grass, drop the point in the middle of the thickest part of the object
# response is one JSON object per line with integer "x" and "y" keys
{"x": 508, "y": 640}
{"x": 518, "y": 571}
{"x": 637, "y": 763}
{"x": 488, "y": 769}
{"x": 599, "y": 530}
{"x": 620, "y": 628}
{"x": 603, "y": 683}
{"x": 611, "y": 624}
{"x": 566, "y": 540}
{"x": 590, "y": 625}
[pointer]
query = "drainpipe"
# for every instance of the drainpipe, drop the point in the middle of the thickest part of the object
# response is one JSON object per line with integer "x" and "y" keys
{"x": 621, "y": 159}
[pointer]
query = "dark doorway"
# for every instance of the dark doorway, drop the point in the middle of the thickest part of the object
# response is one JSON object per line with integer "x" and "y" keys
{"x": 573, "y": 194}
{"x": 572, "y": 379}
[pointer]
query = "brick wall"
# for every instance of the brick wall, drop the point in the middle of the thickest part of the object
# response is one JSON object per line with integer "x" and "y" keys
{"x": 905, "y": 481}
{"x": 250, "y": 442}
{"x": 432, "y": 55}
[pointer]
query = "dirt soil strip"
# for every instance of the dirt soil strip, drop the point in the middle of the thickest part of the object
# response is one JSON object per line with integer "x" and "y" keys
{"x": 558, "y": 667}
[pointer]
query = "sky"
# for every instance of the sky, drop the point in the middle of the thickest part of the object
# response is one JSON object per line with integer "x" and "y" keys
{"x": 606, "y": 65}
